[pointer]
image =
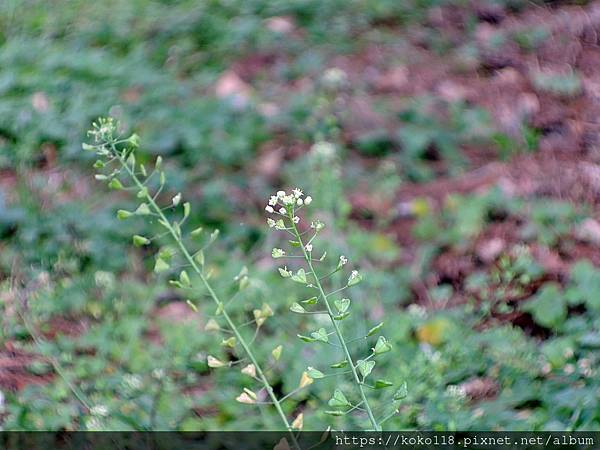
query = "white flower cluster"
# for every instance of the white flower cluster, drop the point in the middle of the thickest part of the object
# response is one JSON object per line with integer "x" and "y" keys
{"x": 278, "y": 253}
{"x": 455, "y": 391}
{"x": 103, "y": 129}
{"x": 284, "y": 204}
{"x": 335, "y": 78}
{"x": 99, "y": 410}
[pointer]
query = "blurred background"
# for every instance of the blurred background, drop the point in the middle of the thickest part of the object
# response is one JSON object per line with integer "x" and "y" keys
{"x": 451, "y": 146}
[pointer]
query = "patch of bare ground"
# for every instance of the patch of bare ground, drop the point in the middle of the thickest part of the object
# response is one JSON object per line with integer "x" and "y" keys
{"x": 14, "y": 373}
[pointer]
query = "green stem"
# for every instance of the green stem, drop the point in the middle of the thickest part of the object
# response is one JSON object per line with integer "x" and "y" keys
{"x": 216, "y": 299}
{"x": 337, "y": 329}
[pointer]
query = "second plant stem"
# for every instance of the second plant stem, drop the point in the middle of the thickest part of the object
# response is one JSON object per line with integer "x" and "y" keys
{"x": 336, "y": 327}
{"x": 212, "y": 293}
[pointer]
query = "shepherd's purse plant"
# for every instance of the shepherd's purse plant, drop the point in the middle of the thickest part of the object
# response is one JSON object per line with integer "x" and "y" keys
{"x": 118, "y": 167}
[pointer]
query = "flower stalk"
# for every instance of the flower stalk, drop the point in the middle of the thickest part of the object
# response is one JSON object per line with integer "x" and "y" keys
{"x": 106, "y": 146}
{"x": 336, "y": 327}
{"x": 285, "y": 206}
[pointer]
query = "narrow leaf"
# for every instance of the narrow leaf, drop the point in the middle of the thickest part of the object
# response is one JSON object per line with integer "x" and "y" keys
{"x": 297, "y": 308}
{"x": 314, "y": 373}
{"x": 375, "y": 329}
{"x": 402, "y": 392}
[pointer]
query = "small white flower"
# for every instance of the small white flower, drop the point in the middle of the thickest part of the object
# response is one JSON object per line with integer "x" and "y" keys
{"x": 277, "y": 253}
{"x": 343, "y": 260}
{"x": 317, "y": 225}
{"x": 456, "y": 391}
{"x": 280, "y": 194}
{"x": 94, "y": 424}
{"x": 159, "y": 373}
{"x": 297, "y": 193}
{"x": 416, "y": 310}
{"x": 299, "y": 202}
{"x": 273, "y": 200}
{"x": 269, "y": 209}
{"x": 99, "y": 410}
{"x": 289, "y": 200}
{"x": 309, "y": 248}
{"x": 282, "y": 211}
{"x": 132, "y": 381}
{"x": 335, "y": 77}
{"x": 324, "y": 150}
{"x": 270, "y": 222}
{"x": 296, "y": 219}
{"x": 308, "y": 200}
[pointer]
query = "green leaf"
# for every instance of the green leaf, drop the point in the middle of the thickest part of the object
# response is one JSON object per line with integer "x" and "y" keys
{"x": 122, "y": 214}
{"x": 134, "y": 140}
{"x": 88, "y": 147}
{"x": 402, "y": 391}
{"x": 184, "y": 279}
{"x": 320, "y": 335}
{"x": 381, "y": 384}
{"x": 213, "y": 236}
{"x": 161, "y": 265}
{"x": 294, "y": 243}
{"x": 342, "y": 304}
{"x": 115, "y": 184}
{"x": 196, "y": 231}
{"x": 586, "y": 282}
{"x": 143, "y": 192}
{"x": 199, "y": 257}
{"x": 297, "y": 308}
{"x": 335, "y": 413}
{"x": 382, "y": 346}
{"x": 299, "y": 276}
{"x": 341, "y": 316}
{"x": 339, "y": 365}
{"x": 365, "y": 367}
{"x": 310, "y": 301}
{"x": 143, "y": 210}
{"x": 338, "y": 399}
{"x": 306, "y": 338}
{"x": 549, "y": 307}
{"x": 277, "y": 352}
{"x": 314, "y": 373}
{"x": 229, "y": 342}
{"x": 140, "y": 241}
{"x": 375, "y": 329}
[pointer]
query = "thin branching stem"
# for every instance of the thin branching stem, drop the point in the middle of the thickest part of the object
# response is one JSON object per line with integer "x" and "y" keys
{"x": 337, "y": 329}
{"x": 213, "y": 295}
